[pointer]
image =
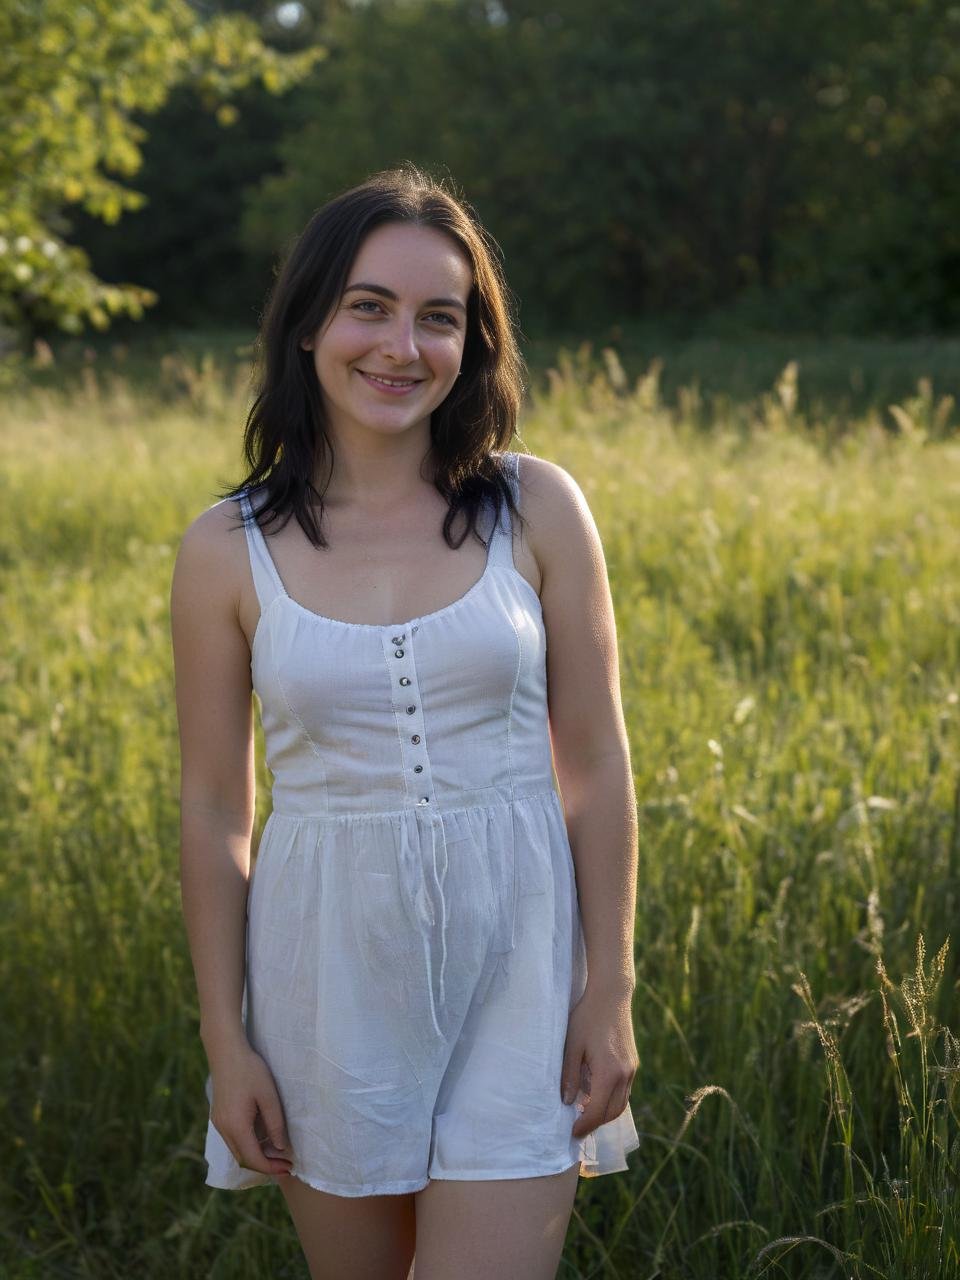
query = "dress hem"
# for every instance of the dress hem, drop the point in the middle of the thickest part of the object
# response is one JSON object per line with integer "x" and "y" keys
{"x": 487, "y": 1175}
{"x": 333, "y": 1188}
{"x": 448, "y": 1175}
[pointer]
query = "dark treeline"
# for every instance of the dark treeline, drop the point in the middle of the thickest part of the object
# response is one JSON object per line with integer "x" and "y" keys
{"x": 791, "y": 165}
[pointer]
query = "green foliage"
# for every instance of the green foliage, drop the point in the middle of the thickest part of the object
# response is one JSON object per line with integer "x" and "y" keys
{"x": 789, "y": 628}
{"x": 871, "y": 230}
{"x": 782, "y": 167}
{"x": 792, "y": 163}
{"x": 183, "y": 244}
{"x": 71, "y": 78}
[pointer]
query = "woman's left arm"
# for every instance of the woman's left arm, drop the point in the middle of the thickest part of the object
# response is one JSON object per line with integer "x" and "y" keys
{"x": 592, "y": 760}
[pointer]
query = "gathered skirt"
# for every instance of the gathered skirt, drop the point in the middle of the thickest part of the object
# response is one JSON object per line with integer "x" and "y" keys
{"x": 409, "y": 979}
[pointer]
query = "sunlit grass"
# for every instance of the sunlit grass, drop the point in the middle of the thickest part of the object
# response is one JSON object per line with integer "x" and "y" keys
{"x": 788, "y": 601}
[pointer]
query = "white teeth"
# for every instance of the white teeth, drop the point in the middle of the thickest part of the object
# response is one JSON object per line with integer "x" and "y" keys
{"x": 388, "y": 383}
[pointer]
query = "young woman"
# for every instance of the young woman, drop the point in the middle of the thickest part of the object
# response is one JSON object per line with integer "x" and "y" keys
{"x": 416, "y": 1011}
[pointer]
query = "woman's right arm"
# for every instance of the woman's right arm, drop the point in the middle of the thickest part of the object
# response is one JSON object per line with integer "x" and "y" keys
{"x": 217, "y": 805}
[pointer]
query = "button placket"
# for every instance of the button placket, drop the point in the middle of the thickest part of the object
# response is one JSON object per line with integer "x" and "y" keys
{"x": 405, "y": 696}
{"x": 431, "y": 863}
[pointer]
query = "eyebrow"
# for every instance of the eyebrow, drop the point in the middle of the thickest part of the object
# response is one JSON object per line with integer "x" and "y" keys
{"x": 384, "y": 292}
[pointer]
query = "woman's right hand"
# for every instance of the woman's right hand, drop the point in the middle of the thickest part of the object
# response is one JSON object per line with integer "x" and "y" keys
{"x": 247, "y": 1112}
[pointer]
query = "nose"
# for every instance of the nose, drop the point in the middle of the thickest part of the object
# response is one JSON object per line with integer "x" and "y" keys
{"x": 399, "y": 341}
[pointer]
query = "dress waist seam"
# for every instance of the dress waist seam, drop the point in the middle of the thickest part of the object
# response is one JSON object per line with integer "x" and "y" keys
{"x": 504, "y": 802}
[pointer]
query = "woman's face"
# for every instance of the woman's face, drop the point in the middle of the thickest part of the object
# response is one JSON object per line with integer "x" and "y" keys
{"x": 390, "y": 351}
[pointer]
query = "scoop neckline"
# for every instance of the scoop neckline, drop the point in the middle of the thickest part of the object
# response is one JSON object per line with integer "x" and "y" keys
{"x": 389, "y": 626}
{"x": 283, "y": 593}
{"x": 282, "y": 597}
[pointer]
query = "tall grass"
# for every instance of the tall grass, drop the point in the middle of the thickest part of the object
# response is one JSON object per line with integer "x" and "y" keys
{"x": 788, "y": 602}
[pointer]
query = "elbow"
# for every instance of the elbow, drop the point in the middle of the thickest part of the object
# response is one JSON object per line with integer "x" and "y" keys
{"x": 601, "y": 774}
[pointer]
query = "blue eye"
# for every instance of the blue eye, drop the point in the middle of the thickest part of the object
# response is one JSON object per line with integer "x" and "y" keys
{"x": 366, "y": 302}
{"x": 442, "y": 315}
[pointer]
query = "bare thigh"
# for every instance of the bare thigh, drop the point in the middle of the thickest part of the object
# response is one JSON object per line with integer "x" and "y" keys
{"x": 363, "y": 1237}
{"x": 503, "y": 1229}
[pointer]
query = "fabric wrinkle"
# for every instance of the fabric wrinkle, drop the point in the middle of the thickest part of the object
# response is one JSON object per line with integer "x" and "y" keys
{"x": 436, "y": 820}
{"x": 413, "y": 935}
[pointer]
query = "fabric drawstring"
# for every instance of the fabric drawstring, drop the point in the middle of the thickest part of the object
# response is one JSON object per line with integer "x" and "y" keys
{"x": 436, "y": 821}
{"x": 422, "y": 899}
{"x": 415, "y": 874}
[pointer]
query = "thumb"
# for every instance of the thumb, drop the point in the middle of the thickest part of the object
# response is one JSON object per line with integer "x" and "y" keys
{"x": 272, "y": 1114}
{"x": 571, "y": 1072}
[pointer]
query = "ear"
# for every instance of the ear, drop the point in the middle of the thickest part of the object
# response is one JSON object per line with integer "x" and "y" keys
{"x": 306, "y": 344}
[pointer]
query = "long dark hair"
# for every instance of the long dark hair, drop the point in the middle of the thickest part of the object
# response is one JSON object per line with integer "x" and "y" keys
{"x": 285, "y": 435}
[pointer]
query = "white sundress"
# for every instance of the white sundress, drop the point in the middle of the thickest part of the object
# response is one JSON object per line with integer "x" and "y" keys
{"x": 414, "y": 944}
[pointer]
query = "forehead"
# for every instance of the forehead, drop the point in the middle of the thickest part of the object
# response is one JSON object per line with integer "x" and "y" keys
{"x": 412, "y": 260}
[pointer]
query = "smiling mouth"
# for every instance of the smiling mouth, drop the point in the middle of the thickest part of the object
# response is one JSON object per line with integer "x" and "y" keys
{"x": 390, "y": 382}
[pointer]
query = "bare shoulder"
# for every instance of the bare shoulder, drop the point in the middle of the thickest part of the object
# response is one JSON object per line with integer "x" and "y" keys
{"x": 561, "y": 526}
{"x": 214, "y": 525}
{"x": 211, "y": 655}
{"x": 547, "y": 485}
{"x": 207, "y": 568}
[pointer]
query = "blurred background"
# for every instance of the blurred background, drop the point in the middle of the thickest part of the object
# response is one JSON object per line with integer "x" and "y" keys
{"x": 655, "y": 173}
{"x": 733, "y": 230}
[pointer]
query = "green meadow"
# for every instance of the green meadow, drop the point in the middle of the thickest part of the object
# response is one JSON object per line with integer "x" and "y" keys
{"x": 785, "y": 569}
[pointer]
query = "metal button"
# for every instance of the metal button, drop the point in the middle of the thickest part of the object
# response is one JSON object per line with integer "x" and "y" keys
{"x": 415, "y": 738}
{"x": 411, "y": 710}
{"x": 398, "y": 653}
{"x": 418, "y": 768}
{"x": 404, "y": 679}
{"x": 425, "y": 800}
{"x": 398, "y": 639}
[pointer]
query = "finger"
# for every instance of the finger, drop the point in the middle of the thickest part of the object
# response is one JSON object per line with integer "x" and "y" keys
{"x": 578, "y": 1083}
{"x": 251, "y": 1157}
{"x": 273, "y": 1153}
{"x": 571, "y": 1073}
{"x": 267, "y": 1146}
{"x": 619, "y": 1101}
{"x": 271, "y": 1122}
{"x": 588, "y": 1120}
{"x": 594, "y": 1112}
{"x": 618, "y": 1098}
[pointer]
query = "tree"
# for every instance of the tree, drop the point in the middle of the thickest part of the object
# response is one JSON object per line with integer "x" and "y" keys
{"x": 71, "y": 77}
{"x": 618, "y": 177}
{"x": 795, "y": 162}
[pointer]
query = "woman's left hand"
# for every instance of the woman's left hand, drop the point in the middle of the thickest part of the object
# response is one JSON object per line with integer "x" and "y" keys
{"x": 600, "y": 1057}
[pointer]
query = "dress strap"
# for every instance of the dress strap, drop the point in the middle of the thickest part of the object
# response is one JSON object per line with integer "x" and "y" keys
{"x": 266, "y": 579}
{"x": 511, "y": 461}
{"x": 501, "y": 549}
